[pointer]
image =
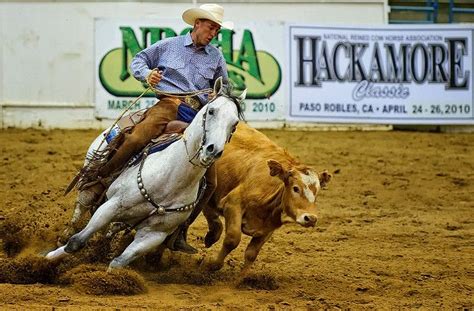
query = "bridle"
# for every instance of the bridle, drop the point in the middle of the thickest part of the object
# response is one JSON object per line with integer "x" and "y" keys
{"x": 191, "y": 159}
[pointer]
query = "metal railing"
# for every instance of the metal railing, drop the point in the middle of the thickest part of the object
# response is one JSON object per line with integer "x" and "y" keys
{"x": 430, "y": 8}
{"x": 457, "y": 10}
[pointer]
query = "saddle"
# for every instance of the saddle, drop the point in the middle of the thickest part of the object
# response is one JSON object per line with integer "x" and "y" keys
{"x": 173, "y": 132}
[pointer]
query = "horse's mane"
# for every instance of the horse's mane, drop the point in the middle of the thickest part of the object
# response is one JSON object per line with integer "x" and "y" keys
{"x": 227, "y": 90}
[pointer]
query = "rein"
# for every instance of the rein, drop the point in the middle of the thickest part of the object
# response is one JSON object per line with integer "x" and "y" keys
{"x": 158, "y": 93}
{"x": 181, "y": 94}
{"x": 203, "y": 141}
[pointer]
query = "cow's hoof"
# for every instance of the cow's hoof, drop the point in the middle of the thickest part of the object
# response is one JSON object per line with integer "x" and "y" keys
{"x": 214, "y": 265}
{"x": 210, "y": 239}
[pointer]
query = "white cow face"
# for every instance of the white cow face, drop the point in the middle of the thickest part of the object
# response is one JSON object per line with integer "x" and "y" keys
{"x": 302, "y": 186}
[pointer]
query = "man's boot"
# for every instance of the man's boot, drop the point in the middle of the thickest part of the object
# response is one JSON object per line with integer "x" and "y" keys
{"x": 177, "y": 240}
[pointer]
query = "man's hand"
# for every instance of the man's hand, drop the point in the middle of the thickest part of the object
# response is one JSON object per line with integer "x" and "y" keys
{"x": 154, "y": 77}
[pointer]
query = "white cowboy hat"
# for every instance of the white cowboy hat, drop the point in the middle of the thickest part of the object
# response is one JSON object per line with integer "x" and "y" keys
{"x": 212, "y": 12}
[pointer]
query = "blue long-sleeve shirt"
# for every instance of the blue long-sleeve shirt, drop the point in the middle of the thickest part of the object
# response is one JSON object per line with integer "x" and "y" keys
{"x": 185, "y": 67}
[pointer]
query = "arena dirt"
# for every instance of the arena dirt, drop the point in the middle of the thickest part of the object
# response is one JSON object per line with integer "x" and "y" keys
{"x": 396, "y": 230}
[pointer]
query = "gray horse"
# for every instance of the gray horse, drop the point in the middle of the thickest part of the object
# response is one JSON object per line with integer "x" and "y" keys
{"x": 158, "y": 195}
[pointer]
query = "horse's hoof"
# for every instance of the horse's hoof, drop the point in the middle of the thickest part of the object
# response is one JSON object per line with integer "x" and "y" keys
{"x": 74, "y": 244}
{"x": 50, "y": 256}
{"x": 44, "y": 253}
{"x": 56, "y": 254}
{"x": 115, "y": 265}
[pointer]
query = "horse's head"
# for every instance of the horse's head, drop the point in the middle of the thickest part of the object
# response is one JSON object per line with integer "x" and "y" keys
{"x": 220, "y": 119}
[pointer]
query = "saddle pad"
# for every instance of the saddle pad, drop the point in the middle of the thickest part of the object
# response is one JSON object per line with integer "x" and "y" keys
{"x": 114, "y": 131}
{"x": 186, "y": 113}
{"x": 159, "y": 144}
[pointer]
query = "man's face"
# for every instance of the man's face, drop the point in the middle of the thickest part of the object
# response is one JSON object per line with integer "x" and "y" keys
{"x": 204, "y": 31}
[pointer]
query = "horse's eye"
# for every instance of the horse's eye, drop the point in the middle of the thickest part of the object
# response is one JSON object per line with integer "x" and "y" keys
{"x": 296, "y": 189}
{"x": 211, "y": 111}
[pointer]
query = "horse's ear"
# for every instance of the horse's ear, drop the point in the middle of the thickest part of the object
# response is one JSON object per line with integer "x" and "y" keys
{"x": 218, "y": 85}
{"x": 242, "y": 95}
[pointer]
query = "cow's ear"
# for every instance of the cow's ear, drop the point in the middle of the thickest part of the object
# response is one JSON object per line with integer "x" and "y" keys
{"x": 324, "y": 178}
{"x": 275, "y": 168}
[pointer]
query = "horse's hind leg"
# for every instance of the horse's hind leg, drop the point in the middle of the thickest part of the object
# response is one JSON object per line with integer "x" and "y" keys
{"x": 102, "y": 217}
{"x": 143, "y": 243}
{"x": 86, "y": 201}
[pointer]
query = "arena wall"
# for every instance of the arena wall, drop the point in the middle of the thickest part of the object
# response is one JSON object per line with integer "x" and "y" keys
{"x": 47, "y": 53}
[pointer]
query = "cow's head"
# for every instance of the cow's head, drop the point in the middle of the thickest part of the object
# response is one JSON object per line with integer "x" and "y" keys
{"x": 302, "y": 186}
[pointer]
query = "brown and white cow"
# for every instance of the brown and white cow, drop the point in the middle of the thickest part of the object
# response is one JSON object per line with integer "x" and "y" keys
{"x": 260, "y": 187}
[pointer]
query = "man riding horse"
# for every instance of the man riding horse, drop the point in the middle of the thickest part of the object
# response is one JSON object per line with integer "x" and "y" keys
{"x": 179, "y": 64}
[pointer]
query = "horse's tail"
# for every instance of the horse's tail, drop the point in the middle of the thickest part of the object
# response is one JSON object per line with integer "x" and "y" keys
{"x": 73, "y": 183}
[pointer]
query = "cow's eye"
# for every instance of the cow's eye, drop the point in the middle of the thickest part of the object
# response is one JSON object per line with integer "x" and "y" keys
{"x": 211, "y": 111}
{"x": 296, "y": 189}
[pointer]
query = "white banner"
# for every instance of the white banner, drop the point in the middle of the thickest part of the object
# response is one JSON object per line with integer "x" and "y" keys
{"x": 386, "y": 75}
{"x": 253, "y": 52}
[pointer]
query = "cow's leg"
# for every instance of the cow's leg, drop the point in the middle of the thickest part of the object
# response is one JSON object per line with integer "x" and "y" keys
{"x": 102, "y": 217}
{"x": 233, "y": 223}
{"x": 252, "y": 251}
{"x": 214, "y": 224}
{"x": 143, "y": 243}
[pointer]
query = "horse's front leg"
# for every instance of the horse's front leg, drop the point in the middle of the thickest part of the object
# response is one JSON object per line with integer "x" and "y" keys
{"x": 102, "y": 217}
{"x": 144, "y": 242}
